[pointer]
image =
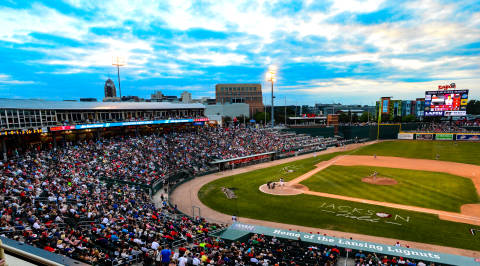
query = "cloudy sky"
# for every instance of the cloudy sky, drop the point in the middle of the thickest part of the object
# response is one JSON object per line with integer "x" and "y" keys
{"x": 348, "y": 51}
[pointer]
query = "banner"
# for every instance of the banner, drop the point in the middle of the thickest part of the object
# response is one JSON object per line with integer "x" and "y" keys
{"x": 444, "y": 136}
{"x": 405, "y": 135}
{"x": 385, "y": 105}
{"x": 132, "y": 123}
{"x": 424, "y": 136}
{"x": 469, "y": 137}
{"x": 319, "y": 239}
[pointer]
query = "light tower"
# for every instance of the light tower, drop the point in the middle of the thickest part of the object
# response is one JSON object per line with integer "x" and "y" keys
{"x": 118, "y": 61}
{"x": 271, "y": 76}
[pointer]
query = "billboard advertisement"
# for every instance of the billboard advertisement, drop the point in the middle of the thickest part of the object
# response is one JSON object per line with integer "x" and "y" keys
{"x": 470, "y": 137}
{"x": 420, "y": 136}
{"x": 132, "y": 123}
{"x": 446, "y": 103}
{"x": 405, "y": 135}
{"x": 444, "y": 136}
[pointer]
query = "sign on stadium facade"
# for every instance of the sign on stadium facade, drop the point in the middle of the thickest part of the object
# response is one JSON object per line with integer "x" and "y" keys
{"x": 405, "y": 135}
{"x": 132, "y": 123}
{"x": 443, "y": 136}
{"x": 417, "y": 254}
{"x": 424, "y": 136}
{"x": 469, "y": 137}
{"x": 21, "y": 132}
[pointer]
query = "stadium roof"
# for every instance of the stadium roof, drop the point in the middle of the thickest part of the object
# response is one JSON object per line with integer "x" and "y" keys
{"x": 70, "y": 105}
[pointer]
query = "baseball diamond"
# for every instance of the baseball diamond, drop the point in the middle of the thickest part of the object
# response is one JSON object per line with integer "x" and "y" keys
{"x": 433, "y": 206}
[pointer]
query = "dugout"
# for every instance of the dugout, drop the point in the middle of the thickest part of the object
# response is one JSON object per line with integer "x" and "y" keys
{"x": 225, "y": 164}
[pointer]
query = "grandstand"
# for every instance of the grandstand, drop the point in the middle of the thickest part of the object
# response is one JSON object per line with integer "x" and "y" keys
{"x": 92, "y": 181}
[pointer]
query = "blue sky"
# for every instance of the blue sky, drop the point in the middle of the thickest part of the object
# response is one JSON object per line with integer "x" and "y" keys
{"x": 346, "y": 51}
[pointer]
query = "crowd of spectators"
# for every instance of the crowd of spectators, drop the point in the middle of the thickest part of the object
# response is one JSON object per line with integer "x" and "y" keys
{"x": 54, "y": 199}
{"x": 257, "y": 250}
{"x": 147, "y": 159}
{"x": 444, "y": 127}
{"x": 51, "y": 202}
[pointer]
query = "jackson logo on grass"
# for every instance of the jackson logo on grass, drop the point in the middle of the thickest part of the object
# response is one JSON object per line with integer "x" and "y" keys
{"x": 383, "y": 215}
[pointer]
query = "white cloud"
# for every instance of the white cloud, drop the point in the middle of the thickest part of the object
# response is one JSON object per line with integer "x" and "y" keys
{"x": 373, "y": 89}
{"x": 17, "y": 24}
{"x": 355, "y": 6}
{"x": 7, "y": 80}
{"x": 213, "y": 58}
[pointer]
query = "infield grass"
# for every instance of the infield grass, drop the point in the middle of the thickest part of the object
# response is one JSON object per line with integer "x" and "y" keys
{"x": 431, "y": 190}
{"x": 454, "y": 151}
{"x": 312, "y": 211}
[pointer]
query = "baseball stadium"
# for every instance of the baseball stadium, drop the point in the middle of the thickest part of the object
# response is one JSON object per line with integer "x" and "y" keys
{"x": 240, "y": 133}
{"x": 163, "y": 178}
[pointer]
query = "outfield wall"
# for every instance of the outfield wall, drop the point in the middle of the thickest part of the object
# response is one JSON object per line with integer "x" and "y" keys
{"x": 388, "y": 131}
{"x": 439, "y": 136}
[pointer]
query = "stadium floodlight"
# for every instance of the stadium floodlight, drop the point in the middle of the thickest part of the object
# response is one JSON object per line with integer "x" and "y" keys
{"x": 118, "y": 61}
{"x": 272, "y": 77}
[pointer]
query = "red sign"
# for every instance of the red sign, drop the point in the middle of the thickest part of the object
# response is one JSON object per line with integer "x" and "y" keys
{"x": 62, "y": 128}
{"x": 205, "y": 119}
{"x": 446, "y": 87}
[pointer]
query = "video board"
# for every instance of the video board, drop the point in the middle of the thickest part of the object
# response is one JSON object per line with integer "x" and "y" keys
{"x": 446, "y": 103}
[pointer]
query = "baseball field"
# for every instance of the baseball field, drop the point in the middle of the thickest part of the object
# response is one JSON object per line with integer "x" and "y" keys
{"x": 432, "y": 193}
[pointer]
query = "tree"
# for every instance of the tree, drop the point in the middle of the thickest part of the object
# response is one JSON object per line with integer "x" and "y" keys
{"x": 343, "y": 118}
{"x": 260, "y": 117}
{"x": 354, "y": 118}
{"x": 364, "y": 117}
{"x": 473, "y": 107}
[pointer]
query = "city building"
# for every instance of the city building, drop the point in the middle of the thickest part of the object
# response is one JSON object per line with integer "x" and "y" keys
{"x": 249, "y": 93}
{"x": 334, "y": 108}
{"x": 158, "y": 96}
{"x": 186, "y": 97}
{"x": 88, "y": 99}
{"x": 420, "y": 107}
{"x": 132, "y": 98}
{"x": 392, "y": 109}
{"x": 109, "y": 89}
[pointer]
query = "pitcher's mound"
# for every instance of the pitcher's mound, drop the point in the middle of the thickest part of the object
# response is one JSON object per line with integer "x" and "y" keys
{"x": 382, "y": 181}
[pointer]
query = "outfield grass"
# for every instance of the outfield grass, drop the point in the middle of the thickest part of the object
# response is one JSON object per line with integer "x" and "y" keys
{"x": 416, "y": 188}
{"x": 461, "y": 152}
{"x": 328, "y": 213}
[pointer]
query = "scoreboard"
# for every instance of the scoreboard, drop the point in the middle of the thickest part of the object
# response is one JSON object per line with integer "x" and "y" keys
{"x": 446, "y": 103}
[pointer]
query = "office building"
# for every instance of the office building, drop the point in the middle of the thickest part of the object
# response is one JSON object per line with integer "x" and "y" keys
{"x": 186, "y": 97}
{"x": 249, "y": 93}
{"x": 109, "y": 89}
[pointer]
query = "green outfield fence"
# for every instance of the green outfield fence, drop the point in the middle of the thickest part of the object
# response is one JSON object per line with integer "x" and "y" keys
{"x": 387, "y": 131}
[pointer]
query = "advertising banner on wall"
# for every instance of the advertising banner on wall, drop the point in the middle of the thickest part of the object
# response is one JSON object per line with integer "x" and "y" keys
{"x": 420, "y": 136}
{"x": 444, "y": 136}
{"x": 130, "y": 123}
{"x": 470, "y": 137}
{"x": 372, "y": 247}
{"x": 385, "y": 105}
{"x": 405, "y": 135}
